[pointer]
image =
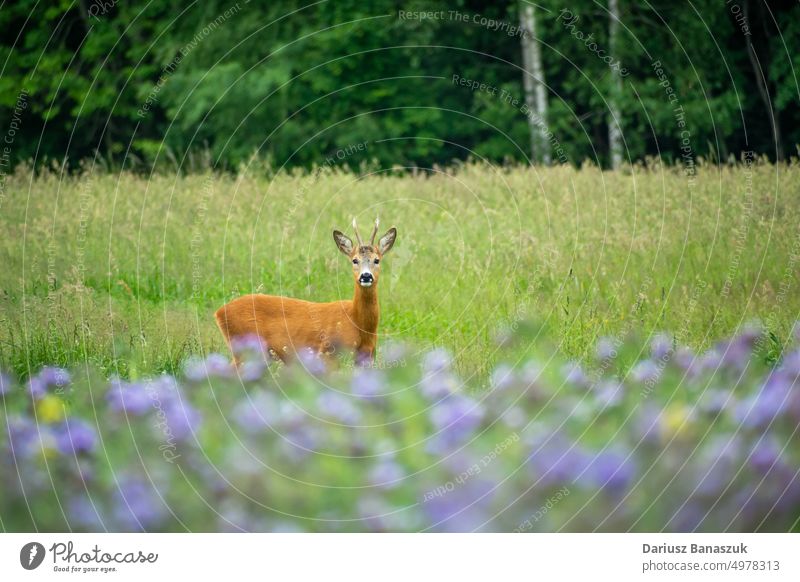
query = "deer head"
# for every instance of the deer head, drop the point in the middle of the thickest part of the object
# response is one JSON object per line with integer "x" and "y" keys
{"x": 366, "y": 258}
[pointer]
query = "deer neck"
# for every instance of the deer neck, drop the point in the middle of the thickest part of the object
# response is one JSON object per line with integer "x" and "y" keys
{"x": 366, "y": 309}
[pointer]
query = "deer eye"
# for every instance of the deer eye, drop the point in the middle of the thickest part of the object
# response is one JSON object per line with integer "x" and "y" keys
{"x": 377, "y": 261}
{"x": 355, "y": 261}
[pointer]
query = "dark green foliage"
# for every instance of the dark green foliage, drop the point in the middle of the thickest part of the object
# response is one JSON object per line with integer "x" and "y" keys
{"x": 215, "y": 82}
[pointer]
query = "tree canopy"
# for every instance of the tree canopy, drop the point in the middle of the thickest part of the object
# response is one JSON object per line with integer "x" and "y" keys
{"x": 137, "y": 84}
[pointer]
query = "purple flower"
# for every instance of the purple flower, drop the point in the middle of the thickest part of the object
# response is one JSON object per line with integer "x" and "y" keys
{"x": 661, "y": 346}
{"x": 312, "y": 362}
{"x": 438, "y": 385}
{"x": 502, "y": 377}
{"x": 128, "y": 398}
{"x": 646, "y": 371}
{"x": 606, "y": 349}
{"x": 556, "y": 461}
{"x": 685, "y": 358}
{"x": 766, "y": 455}
{"x": 299, "y": 443}
{"x": 710, "y": 361}
{"x": 609, "y": 393}
{"x": 249, "y": 346}
{"x": 214, "y": 366}
{"x": 386, "y": 474}
{"x": 252, "y": 370}
{"x": 761, "y": 409}
{"x": 437, "y": 360}
{"x": 256, "y": 413}
{"x": 790, "y": 364}
{"x": 464, "y": 508}
{"x": 75, "y": 436}
{"x": 611, "y": 471}
{"x": 648, "y": 424}
{"x": 394, "y": 353}
{"x": 796, "y": 331}
{"x": 5, "y": 384}
{"x": 530, "y": 378}
{"x": 455, "y": 418}
{"x": 574, "y": 374}
{"x": 183, "y": 419}
{"x": 137, "y": 506}
{"x": 83, "y": 513}
{"x": 23, "y": 436}
{"x": 338, "y": 407}
{"x": 367, "y": 383}
{"x": 736, "y": 352}
{"x": 48, "y": 378}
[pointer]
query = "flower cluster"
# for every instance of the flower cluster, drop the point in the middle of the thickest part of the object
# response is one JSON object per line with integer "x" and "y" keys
{"x": 673, "y": 441}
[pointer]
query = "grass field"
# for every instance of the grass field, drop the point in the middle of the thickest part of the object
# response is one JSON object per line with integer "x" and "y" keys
{"x": 124, "y": 272}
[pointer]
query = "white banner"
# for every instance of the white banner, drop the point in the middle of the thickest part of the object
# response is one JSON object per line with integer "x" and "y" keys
{"x": 401, "y": 557}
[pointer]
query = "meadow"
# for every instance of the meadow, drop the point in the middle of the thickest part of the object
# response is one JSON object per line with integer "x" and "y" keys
{"x": 123, "y": 272}
{"x": 562, "y": 350}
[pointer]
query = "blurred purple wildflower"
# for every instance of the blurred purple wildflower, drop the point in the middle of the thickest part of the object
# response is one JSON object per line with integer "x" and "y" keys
{"x": 465, "y": 508}
{"x": 367, "y": 383}
{"x": 796, "y": 331}
{"x": 214, "y": 366}
{"x": 555, "y": 461}
{"x": 23, "y": 436}
{"x": 252, "y": 370}
{"x": 612, "y": 471}
{"x": 661, "y": 346}
{"x": 312, "y": 362}
{"x": 502, "y": 377}
{"x": 609, "y": 393}
{"x": 394, "y": 353}
{"x": 47, "y": 379}
{"x": 75, "y": 436}
{"x": 437, "y": 385}
{"x": 129, "y": 398}
{"x": 606, "y": 349}
{"x": 574, "y": 374}
{"x": 646, "y": 371}
{"x": 455, "y": 418}
{"x": 183, "y": 419}
{"x": 437, "y": 360}
{"x": 137, "y": 506}
{"x": 765, "y": 455}
{"x": 256, "y": 413}
{"x": 249, "y": 346}
{"x": 761, "y": 409}
{"x": 386, "y": 474}
{"x": 83, "y": 513}
{"x": 685, "y": 359}
{"x": 341, "y": 408}
{"x": 5, "y": 383}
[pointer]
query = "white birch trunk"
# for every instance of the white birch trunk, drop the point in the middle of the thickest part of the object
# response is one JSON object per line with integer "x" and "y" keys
{"x": 614, "y": 116}
{"x": 534, "y": 85}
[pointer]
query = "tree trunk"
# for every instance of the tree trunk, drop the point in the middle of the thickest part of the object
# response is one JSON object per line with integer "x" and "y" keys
{"x": 763, "y": 87}
{"x": 614, "y": 116}
{"x": 533, "y": 82}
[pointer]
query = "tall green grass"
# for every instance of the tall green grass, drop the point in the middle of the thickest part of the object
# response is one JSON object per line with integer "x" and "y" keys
{"x": 124, "y": 272}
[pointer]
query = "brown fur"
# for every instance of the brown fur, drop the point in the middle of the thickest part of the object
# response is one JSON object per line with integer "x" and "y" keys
{"x": 290, "y": 325}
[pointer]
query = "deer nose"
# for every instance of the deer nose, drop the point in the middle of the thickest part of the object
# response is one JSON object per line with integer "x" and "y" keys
{"x": 366, "y": 278}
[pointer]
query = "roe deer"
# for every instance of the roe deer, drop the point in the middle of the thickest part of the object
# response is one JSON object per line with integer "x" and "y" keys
{"x": 288, "y": 325}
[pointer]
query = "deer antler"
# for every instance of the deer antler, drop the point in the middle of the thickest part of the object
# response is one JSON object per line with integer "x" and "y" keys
{"x": 358, "y": 236}
{"x": 374, "y": 231}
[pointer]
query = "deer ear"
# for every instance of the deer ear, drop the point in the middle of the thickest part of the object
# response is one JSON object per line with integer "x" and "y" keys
{"x": 345, "y": 244}
{"x": 387, "y": 240}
